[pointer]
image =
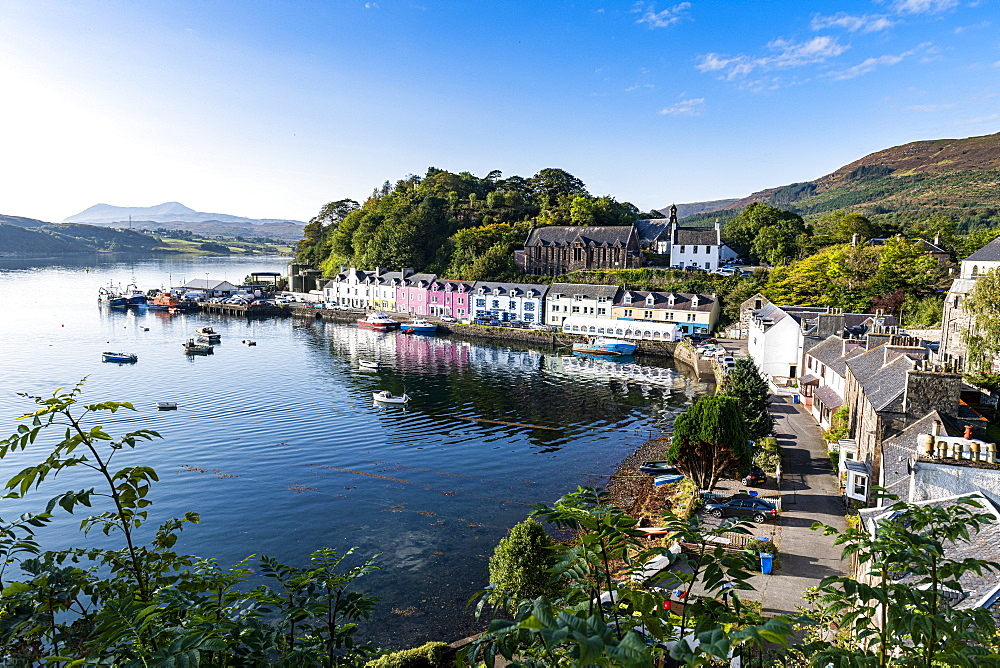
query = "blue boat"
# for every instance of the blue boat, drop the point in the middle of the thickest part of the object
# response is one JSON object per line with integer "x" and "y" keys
{"x": 604, "y": 345}
{"x": 667, "y": 479}
{"x": 418, "y": 326}
{"x": 111, "y": 297}
{"x": 124, "y": 358}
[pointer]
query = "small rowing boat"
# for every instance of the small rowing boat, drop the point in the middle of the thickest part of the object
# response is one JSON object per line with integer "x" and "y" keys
{"x": 387, "y": 397}
{"x": 124, "y": 358}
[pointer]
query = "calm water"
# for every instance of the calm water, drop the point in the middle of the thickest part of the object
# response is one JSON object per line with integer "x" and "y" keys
{"x": 280, "y": 449}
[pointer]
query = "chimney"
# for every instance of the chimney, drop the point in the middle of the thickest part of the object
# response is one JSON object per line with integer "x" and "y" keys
{"x": 937, "y": 239}
{"x": 936, "y": 428}
{"x": 968, "y": 432}
{"x": 829, "y": 324}
{"x": 855, "y": 238}
{"x": 930, "y": 389}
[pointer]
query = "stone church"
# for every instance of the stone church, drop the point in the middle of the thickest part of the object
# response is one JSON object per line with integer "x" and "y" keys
{"x": 561, "y": 249}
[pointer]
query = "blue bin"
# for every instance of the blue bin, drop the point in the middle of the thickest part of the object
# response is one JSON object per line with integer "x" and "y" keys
{"x": 795, "y": 398}
{"x": 766, "y": 560}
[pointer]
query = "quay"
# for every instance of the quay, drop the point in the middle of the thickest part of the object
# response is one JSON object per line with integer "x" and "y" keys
{"x": 242, "y": 311}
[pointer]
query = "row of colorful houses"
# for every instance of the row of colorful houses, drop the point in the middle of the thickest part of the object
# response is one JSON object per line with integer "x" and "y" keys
{"x": 427, "y": 295}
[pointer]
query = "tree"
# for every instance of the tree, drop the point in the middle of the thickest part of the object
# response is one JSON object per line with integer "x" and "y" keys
{"x": 899, "y": 609}
{"x": 745, "y": 383}
{"x": 710, "y": 439}
{"x": 519, "y": 567}
{"x": 841, "y": 226}
{"x": 315, "y": 235}
{"x": 982, "y": 338}
{"x": 741, "y": 232}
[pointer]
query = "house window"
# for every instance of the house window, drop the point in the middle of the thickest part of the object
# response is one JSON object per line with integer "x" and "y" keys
{"x": 481, "y": 303}
{"x": 757, "y": 305}
{"x": 496, "y": 303}
{"x": 461, "y": 311}
{"x": 628, "y": 313}
{"x": 601, "y": 311}
{"x": 576, "y": 309}
{"x": 708, "y": 249}
{"x": 529, "y": 306}
{"x": 694, "y": 249}
{"x": 528, "y": 317}
{"x": 513, "y": 305}
{"x": 682, "y": 249}
{"x": 577, "y": 298}
{"x": 860, "y": 485}
{"x": 692, "y": 317}
{"x": 647, "y": 314}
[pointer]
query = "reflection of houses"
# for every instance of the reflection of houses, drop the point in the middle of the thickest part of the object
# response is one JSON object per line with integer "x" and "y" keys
{"x": 689, "y": 312}
{"x": 627, "y": 329}
{"x": 574, "y": 299}
{"x": 955, "y": 320}
{"x": 450, "y": 298}
{"x": 561, "y": 249}
{"x": 508, "y": 302}
{"x": 430, "y": 354}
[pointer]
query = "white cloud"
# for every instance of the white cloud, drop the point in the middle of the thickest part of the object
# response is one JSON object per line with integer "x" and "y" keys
{"x": 976, "y": 121}
{"x": 864, "y": 23}
{"x": 371, "y": 5}
{"x": 690, "y": 107}
{"x": 929, "y": 108}
{"x": 787, "y": 54}
{"x": 660, "y": 19}
{"x": 922, "y": 6}
{"x": 869, "y": 64}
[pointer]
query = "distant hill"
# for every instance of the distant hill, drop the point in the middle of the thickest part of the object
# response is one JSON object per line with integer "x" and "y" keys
{"x": 956, "y": 178}
{"x": 176, "y": 216}
{"x": 46, "y": 238}
{"x": 693, "y": 208}
{"x": 16, "y": 240}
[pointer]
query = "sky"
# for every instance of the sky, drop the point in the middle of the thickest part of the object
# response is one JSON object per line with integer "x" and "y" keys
{"x": 272, "y": 108}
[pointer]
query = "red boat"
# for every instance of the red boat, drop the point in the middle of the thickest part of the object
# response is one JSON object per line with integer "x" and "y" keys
{"x": 379, "y": 321}
{"x": 166, "y": 301}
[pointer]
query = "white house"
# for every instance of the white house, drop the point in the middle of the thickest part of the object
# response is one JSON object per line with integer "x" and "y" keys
{"x": 351, "y": 287}
{"x": 210, "y": 288}
{"x": 626, "y": 329}
{"x": 508, "y": 302}
{"x": 574, "y": 299}
{"x": 955, "y": 321}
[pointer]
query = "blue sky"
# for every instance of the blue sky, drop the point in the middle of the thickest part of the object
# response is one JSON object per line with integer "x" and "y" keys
{"x": 272, "y": 108}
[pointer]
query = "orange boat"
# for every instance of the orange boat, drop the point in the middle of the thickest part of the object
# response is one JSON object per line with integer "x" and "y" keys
{"x": 166, "y": 301}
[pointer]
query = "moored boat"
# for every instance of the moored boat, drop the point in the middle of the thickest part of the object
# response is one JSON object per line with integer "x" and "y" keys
{"x": 368, "y": 364}
{"x": 667, "y": 479}
{"x": 419, "y": 326}
{"x": 134, "y": 296}
{"x": 208, "y": 333}
{"x": 604, "y": 345}
{"x": 379, "y": 321}
{"x": 193, "y": 348}
{"x": 387, "y": 397}
{"x": 660, "y": 467}
{"x": 166, "y": 301}
{"x": 125, "y": 358}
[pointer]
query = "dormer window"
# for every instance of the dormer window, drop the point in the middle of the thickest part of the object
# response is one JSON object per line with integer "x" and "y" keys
{"x": 628, "y": 297}
{"x": 496, "y": 291}
{"x": 694, "y": 301}
{"x": 649, "y": 300}
{"x": 670, "y": 299}
{"x": 601, "y": 300}
{"x": 482, "y": 291}
{"x": 577, "y": 298}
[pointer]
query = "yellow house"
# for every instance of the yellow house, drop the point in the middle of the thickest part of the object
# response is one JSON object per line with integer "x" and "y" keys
{"x": 691, "y": 313}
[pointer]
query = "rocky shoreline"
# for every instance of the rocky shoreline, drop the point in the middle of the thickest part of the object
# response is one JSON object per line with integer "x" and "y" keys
{"x": 634, "y": 492}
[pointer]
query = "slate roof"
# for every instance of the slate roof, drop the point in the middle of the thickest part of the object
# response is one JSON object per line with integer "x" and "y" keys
{"x": 696, "y": 236}
{"x": 588, "y": 291}
{"x": 511, "y": 289}
{"x": 829, "y": 350}
{"x": 807, "y": 314}
{"x": 598, "y": 236}
{"x": 652, "y": 229}
{"x": 962, "y": 286}
{"x": 899, "y": 451}
{"x": 413, "y": 280}
{"x": 828, "y": 397}
{"x": 682, "y": 301}
{"x": 984, "y": 544}
{"x": 988, "y": 253}
{"x": 882, "y": 384}
{"x": 442, "y": 284}
{"x": 925, "y": 245}
{"x": 387, "y": 277}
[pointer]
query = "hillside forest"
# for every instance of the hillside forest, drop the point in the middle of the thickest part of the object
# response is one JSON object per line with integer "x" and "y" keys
{"x": 460, "y": 226}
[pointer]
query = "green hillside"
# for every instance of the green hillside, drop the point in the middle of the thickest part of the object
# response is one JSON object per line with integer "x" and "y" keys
{"x": 14, "y": 239}
{"x": 953, "y": 178}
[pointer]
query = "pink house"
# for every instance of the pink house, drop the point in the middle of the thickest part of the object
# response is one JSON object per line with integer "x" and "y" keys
{"x": 449, "y": 298}
{"x": 412, "y": 294}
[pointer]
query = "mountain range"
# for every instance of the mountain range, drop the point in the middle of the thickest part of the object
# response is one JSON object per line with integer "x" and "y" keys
{"x": 176, "y": 216}
{"x": 955, "y": 178}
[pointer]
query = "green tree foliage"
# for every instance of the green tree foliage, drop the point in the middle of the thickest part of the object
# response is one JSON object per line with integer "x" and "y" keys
{"x": 120, "y": 602}
{"x": 710, "y": 439}
{"x": 428, "y": 655}
{"x": 595, "y": 616}
{"x": 841, "y": 226}
{"x": 982, "y": 338}
{"x": 765, "y": 233}
{"x": 903, "y": 614}
{"x": 746, "y": 385}
{"x": 922, "y": 311}
{"x": 850, "y": 277}
{"x": 520, "y": 564}
{"x": 457, "y": 225}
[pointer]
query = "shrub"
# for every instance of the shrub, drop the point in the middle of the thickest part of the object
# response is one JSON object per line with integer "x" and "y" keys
{"x": 758, "y": 546}
{"x": 838, "y": 428}
{"x": 767, "y": 454}
{"x": 428, "y": 655}
{"x": 519, "y": 565}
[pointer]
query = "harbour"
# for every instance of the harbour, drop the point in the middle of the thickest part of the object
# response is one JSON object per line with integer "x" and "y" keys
{"x": 280, "y": 449}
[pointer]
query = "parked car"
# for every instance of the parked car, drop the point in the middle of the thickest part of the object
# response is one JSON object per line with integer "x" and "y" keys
{"x": 755, "y": 477}
{"x": 697, "y": 338}
{"x": 742, "y": 505}
{"x": 540, "y": 327}
{"x": 496, "y": 323}
{"x": 448, "y": 318}
{"x": 728, "y": 361}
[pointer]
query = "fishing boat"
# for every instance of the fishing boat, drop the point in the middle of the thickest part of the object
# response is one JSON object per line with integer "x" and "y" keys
{"x": 193, "y": 348}
{"x": 124, "y": 358}
{"x": 387, "y": 397}
{"x": 604, "y": 345}
{"x": 368, "y": 364}
{"x": 111, "y": 297}
{"x": 208, "y": 333}
{"x": 667, "y": 479}
{"x": 419, "y": 326}
{"x": 134, "y": 296}
{"x": 166, "y": 301}
{"x": 378, "y": 321}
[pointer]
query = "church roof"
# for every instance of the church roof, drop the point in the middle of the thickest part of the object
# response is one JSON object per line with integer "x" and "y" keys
{"x": 988, "y": 253}
{"x": 566, "y": 235}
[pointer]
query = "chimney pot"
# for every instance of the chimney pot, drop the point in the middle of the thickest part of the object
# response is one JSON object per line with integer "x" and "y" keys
{"x": 936, "y": 428}
{"x": 968, "y": 432}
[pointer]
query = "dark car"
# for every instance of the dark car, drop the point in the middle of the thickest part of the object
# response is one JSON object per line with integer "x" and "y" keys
{"x": 496, "y": 323}
{"x": 755, "y": 477}
{"x": 744, "y": 506}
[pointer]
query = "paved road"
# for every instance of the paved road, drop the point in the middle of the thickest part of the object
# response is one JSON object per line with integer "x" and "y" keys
{"x": 810, "y": 494}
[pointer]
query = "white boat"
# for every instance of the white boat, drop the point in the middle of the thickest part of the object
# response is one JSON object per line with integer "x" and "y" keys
{"x": 378, "y": 320}
{"x": 604, "y": 345}
{"x": 419, "y": 325}
{"x": 368, "y": 364}
{"x": 207, "y": 332}
{"x": 387, "y": 397}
